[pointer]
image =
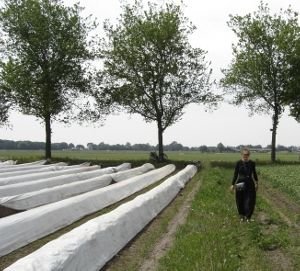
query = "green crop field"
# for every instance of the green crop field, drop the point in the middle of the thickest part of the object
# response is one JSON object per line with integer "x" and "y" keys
{"x": 286, "y": 178}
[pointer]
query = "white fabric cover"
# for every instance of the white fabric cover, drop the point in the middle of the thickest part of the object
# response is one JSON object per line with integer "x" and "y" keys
{"x": 39, "y": 162}
{"x": 25, "y": 187}
{"x": 22, "y": 228}
{"x": 14, "y": 163}
{"x": 89, "y": 246}
{"x": 54, "y": 172}
{"x": 42, "y": 168}
{"x": 21, "y": 167}
{"x": 123, "y": 175}
{"x": 48, "y": 195}
{"x": 8, "y": 162}
{"x": 123, "y": 166}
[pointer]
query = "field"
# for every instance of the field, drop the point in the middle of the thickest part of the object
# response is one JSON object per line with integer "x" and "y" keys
{"x": 200, "y": 229}
{"x": 285, "y": 178}
{"x": 140, "y": 155}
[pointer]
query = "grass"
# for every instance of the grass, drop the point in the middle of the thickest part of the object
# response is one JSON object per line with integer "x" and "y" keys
{"x": 214, "y": 239}
{"x": 139, "y": 155}
{"x": 285, "y": 178}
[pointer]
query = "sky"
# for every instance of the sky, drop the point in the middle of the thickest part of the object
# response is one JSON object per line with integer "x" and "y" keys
{"x": 227, "y": 124}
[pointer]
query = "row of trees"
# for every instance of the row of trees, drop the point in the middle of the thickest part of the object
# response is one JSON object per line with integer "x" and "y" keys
{"x": 174, "y": 146}
{"x": 148, "y": 66}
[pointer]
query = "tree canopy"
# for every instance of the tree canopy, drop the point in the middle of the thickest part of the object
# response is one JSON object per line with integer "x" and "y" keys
{"x": 4, "y": 108}
{"x": 293, "y": 95}
{"x": 260, "y": 70}
{"x": 46, "y": 50}
{"x": 150, "y": 68}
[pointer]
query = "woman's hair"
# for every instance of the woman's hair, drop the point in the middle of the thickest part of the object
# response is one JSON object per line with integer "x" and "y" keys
{"x": 245, "y": 149}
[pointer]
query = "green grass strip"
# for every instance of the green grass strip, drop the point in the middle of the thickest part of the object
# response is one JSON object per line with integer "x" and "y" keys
{"x": 213, "y": 237}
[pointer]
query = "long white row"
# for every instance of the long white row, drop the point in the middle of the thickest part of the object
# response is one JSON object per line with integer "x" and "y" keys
{"x": 48, "y": 174}
{"x": 13, "y": 163}
{"x": 30, "y": 186}
{"x": 89, "y": 246}
{"x": 14, "y": 171}
{"x": 48, "y": 195}
{"x": 22, "y": 228}
{"x": 8, "y": 163}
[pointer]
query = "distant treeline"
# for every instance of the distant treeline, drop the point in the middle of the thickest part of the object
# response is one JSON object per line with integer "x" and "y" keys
{"x": 174, "y": 146}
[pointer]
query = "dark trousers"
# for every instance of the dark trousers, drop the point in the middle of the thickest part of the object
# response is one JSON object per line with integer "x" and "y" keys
{"x": 245, "y": 201}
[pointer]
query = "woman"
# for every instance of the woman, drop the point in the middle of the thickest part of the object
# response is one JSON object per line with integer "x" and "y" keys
{"x": 245, "y": 184}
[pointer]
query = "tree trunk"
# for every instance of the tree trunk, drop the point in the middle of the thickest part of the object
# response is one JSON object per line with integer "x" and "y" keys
{"x": 274, "y": 132}
{"x": 48, "y": 137}
{"x": 160, "y": 142}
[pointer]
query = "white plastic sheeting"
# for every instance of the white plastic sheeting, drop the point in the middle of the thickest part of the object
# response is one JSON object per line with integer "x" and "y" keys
{"x": 29, "y": 170}
{"x": 22, "y": 228}
{"x": 26, "y": 187}
{"x": 123, "y": 166}
{"x": 8, "y": 162}
{"x": 89, "y": 246}
{"x": 54, "y": 172}
{"x": 48, "y": 195}
{"x": 26, "y": 166}
{"x": 45, "y": 196}
{"x": 120, "y": 176}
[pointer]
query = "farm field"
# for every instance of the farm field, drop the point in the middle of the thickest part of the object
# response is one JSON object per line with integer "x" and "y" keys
{"x": 286, "y": 178}
{"x": 208, "y": 234}
{"x": 140, "y": 155}
{"x": 213, "y": 238}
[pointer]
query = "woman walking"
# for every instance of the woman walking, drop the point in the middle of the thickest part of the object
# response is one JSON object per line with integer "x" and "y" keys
{"x": 245, "y": 184}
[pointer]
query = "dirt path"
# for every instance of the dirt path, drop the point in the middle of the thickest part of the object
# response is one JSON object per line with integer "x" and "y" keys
{"x": 166, "y": 242}
{"x": 288, "y": 211}
{"x": 286, "y": 208}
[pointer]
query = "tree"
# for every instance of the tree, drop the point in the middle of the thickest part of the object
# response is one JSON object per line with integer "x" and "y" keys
{"x": 150, "y": 68}
{"x": 293, "y": 95}
{"x": 259, "y": 73}
{"x": 203, "y": 148}
{"x": 80, "y": 147}
{"x": 46, "y": 46}
{"x": 71, "y": 146}
{"x": 221, "y": 147}
{"x": 4, "y": 107}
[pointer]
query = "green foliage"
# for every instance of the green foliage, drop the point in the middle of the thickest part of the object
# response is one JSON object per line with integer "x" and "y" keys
{"x": 4, "y": 107}
{"x": 212, "y": 238}
{"x": 286, "y": 178}
{"x": 293, "y": 95}
{"x": 260, "y": 71}
{"x": 46, "y": 49}
{"x": 150, "y": 68}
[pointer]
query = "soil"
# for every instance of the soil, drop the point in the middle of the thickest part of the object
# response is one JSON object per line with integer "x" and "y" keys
{"x": 160, "y": 249}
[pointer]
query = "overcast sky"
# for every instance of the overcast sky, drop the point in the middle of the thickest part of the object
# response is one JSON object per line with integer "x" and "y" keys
{"x": 228, "y": 124}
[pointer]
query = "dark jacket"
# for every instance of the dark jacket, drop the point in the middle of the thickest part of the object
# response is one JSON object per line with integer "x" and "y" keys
{"x": 244, "y": 172}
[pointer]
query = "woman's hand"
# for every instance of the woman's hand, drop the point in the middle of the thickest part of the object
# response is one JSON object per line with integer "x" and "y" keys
{"x": 256, "y": 186}
{"x": 232, "y": 188}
